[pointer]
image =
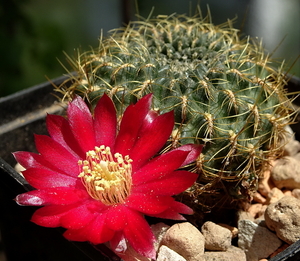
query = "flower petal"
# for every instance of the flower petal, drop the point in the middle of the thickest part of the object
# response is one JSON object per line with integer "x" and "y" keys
{"x": 149, "y": 142}
{"x": 131, "y": 123}
{"x": 148, "y": 204}
{"x": 30, "y": 160}
{"x": 173, "y": 211}
{"x": 60, "y": 131}
{"x": 56, "y": 196}
{"x": 96, "y": 231}
{"x": 194, "y": 152}
{"x": 105, "y": 122}
{"x": 79, "y": 235}
{"x": 49, "y": 216}
{"x": 139, "y": 235}
{"x": 181, "y": 208}
{"x": 46, "y": 178}
{"x": 81, "y": 123}
{"x": 116, "y": 217}
{"x": 159, "y": 166}
{"x": 78, "y": 217}
{"x": 57, "y": 155}
{"x": 169, "y": 214}
{"x": 173, "y": 184}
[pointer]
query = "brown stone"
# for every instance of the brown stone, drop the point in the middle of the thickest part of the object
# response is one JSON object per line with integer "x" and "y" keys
{"x": 283, "y": 217}
{"x": 186, "y": 240}
{"x": 265, "y": 185}
{"x": 286, "y": 173}
{"x": 216, "y": 236}
{"x": 232, "y": 253}
{"x": 258, "y": 198}
{"x": 274, "y": 195}
{"x": 296, "y": 193}
{"x": 234, "y": 231}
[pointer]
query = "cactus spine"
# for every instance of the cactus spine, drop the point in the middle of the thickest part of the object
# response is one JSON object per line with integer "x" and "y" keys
{"x": 223, "y": 89}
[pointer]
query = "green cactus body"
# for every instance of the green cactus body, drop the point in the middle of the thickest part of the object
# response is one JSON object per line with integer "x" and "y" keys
{"x": 223, "y": 91}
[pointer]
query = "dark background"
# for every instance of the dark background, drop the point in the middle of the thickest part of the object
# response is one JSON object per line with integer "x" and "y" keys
{"x": 34, "y": 34}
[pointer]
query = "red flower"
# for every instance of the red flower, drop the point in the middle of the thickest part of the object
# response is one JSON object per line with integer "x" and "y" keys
{"x": 98, "y": 182}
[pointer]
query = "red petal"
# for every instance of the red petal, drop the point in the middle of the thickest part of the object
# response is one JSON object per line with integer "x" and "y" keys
{"x": 46, "y": 178}
{"x": 49, "y": 216}
{"x": 169, "y": 214}
{"x": 78, "y": 217}
{"x": 105, "y": 122}
{"x": 173, "y": 184}
{"x": 151, "y": 139}
{"x": 29, "y": 159}
{"x": 181, "y": 208}
{"x": 194, "y": 152}
{"x": 116, "y": 217}
{"x": 139, "y": 235}
{"x": 60, "y": 131}
{"x": 96, "y": 231}
{"x": 57, "y": 155}
{"x": 174, "y": 210}
{"x": 99, "y": 232}
{"x": 131, "y": 123}
{"x": 159, "y": 167}
{"x": 79, "y": 235}
{"x": 57, "y": 196}
{"x": 148, "y": 204}
{"x": 81, "y": 123}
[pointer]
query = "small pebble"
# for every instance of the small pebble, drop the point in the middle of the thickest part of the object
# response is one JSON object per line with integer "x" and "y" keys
{"x": 232, "y": 253}
{"x": 234, "y": 231}
{"x": 216, "y": 237}
{"x": 255, "y": 210}
{"x": 167, "y": 254}
{"x": 257, "y": 197}
{"x": 296, "y": 193}
{"x": 274, "y": 195}
{"x": 283, "y": 217}
{"x": 286, "y": 173}
{"x": 186, "y": 240}
{"x": 257, "y": 241}
{"x": 265, "y": 185}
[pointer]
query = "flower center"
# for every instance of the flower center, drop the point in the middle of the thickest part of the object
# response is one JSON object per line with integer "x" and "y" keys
{"x": 106, "y": 177}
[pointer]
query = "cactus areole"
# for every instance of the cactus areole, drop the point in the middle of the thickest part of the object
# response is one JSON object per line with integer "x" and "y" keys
{"x": 225, "y": 92}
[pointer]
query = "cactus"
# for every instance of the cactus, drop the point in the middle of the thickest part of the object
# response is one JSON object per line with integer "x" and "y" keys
{"x": 223, "y": 89}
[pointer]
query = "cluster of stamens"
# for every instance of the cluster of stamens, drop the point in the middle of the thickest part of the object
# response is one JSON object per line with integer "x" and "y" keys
{"x": 106, "y": 177}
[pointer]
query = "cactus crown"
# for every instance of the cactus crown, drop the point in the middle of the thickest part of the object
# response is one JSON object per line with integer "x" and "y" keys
{"x": 223, "y": 89}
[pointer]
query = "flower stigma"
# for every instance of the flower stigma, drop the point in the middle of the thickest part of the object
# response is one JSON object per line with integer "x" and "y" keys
{"x": 106, "y": 177}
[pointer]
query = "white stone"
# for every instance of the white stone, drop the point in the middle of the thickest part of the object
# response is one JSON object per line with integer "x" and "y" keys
{"x": 257, "y": 241}
{"x": 167, "y": 254}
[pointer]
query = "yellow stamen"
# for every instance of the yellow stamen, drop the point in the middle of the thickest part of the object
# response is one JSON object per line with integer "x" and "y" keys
{"x": 106, "y": 177}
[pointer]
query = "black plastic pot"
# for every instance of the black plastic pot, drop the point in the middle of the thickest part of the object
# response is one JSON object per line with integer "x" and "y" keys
{"x": 23, "y": 114}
